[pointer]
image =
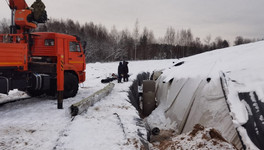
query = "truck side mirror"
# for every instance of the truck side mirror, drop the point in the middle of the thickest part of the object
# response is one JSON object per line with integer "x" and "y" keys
{"x": 84, "y": 43}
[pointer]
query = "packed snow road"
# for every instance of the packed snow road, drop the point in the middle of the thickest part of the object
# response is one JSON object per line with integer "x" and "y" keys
{"x": 37, "y": 124}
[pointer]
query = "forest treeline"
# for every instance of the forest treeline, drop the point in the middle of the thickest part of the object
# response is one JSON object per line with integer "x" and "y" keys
{"x": 103, "y": 45}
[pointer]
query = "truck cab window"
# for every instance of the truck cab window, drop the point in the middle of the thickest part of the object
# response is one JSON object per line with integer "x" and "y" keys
{"x": 49, "y": 42}
{"x": 75, "y": 47}
{"x": 78, "y": 48}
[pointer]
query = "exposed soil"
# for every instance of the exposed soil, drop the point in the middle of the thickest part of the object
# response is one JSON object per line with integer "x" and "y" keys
{"x": 199, "y": 138}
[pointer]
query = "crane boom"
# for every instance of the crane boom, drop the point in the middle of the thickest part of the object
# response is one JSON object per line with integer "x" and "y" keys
{"x": 18, "y": 4}
{"x": 24, "y": 18}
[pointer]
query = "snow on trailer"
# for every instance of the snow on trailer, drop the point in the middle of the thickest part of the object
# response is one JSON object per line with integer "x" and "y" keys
{"x": 197, "y": 92}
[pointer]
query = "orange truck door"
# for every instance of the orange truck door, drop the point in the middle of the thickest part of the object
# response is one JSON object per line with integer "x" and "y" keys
{"x": 76, "y": 55}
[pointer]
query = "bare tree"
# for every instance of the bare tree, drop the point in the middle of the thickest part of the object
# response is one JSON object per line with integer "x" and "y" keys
{"x": 114, "y": 35}
{"x": 185, "y": 37}
{"x": 207, "y": 39}
{"x": 189, "y": 37}
{"x": 118, "y": 50}
{"x": 136, "y": 37}
{"x": 170, "y": 36}
{"x": 4, "y": 26}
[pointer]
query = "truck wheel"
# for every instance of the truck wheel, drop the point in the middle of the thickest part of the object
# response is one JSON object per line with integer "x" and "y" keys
{"x": 34, "y": 93}
{"x": 71, "y": 85}
{"x": 52, "y": 91}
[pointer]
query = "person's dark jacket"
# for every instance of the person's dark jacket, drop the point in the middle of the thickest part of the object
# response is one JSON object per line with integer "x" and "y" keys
{"x": 38, "y": 9}
{"x": 125, "y": 67}
{"x": 120, "y": 69}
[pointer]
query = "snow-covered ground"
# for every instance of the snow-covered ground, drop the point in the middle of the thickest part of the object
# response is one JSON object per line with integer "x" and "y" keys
{"x": 111, "y": 123}
{"x": 36, "y": 123}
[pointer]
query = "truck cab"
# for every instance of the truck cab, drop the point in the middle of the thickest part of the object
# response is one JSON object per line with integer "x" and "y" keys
{"x": 47, "y": 45}
{"x": 38, "y": 63}
{"x": 45, "y": 63}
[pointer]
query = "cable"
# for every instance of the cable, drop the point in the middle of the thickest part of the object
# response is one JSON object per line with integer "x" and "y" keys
{"x": 7, "y": 3}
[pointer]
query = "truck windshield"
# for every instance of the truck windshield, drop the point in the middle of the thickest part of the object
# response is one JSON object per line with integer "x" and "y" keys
{"x": 75, "y": 47}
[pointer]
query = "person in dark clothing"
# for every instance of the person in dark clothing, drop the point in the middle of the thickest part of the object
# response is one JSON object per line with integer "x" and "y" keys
{"x": 120, "y": 72}
{"x": 39, "y": 12}
{"x": 125, "y": 71}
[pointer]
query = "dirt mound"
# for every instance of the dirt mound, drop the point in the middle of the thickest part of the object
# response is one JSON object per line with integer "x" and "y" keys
{"x": 199, "y": 138}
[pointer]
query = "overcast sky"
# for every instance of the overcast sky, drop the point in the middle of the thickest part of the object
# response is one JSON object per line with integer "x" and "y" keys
{"x": 225, "y": 18}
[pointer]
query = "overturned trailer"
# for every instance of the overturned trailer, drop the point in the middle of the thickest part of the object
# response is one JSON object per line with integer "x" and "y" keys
{"x": 211, "y": 103}
{"x": 220, "y": 92}
{"x": 190, "y": 101}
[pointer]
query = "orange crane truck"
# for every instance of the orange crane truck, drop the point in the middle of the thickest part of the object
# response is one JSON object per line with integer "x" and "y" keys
{"x": 42, "y": 62}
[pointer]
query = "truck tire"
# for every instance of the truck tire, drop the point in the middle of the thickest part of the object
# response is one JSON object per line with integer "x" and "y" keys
{"x": 52, "y": 91}
{"x": 149, "y": 103}
{"x": 34, "y": 93}
{"x": 71, "y": 85}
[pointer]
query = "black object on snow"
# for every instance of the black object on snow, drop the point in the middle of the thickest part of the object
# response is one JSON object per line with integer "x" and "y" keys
{"x": 179, "y": 63}
{"x": 107, "y": 80}
{"x": 255, "y": 123}
{"x": 208, "y": 80}
{"x": 155, "y": 131}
